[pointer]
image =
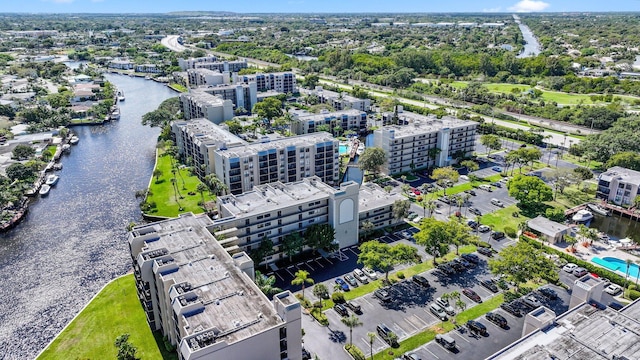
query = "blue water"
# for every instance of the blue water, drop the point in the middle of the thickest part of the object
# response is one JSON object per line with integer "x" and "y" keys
{"x": 616, "y": 264}
{"x": 343, "y": 149}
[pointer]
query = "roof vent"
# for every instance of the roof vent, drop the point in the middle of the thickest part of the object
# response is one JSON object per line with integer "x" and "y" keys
{"x": 236, "y": 323}
{"x": 241, "y": 293}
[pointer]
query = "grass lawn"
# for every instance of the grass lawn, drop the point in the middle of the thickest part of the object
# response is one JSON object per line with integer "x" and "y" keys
{"x": 429, "y": 334}
{"x": 178, "y": 87}
{"x": 162, "y": 191}
{"x": 574, "y": 196}
{"x": 115, "y": 311}
{"x": 502, "y": 218}
{"x": 581, "y": 161}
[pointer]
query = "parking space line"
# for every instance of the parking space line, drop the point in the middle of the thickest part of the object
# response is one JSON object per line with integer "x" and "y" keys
{"x": 290, "y": 273}
{"x": 420, "y": 320}
{"x": 408, "y": 321}
{"x": 354, "y": 253}
{"x": 462, "y": 337}
{"x": 429, "y": 351}
{"x": 398, "y": 327}
{"x": 330, "y": 262}
{"x": 366, "y": 301}
{"x": 278, "y": 275}
{"x": 310, "y": 267}
{"x": 318, "y": 262}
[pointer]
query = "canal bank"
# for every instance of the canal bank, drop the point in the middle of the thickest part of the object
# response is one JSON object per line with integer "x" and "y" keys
{"x": 74, "y": 241}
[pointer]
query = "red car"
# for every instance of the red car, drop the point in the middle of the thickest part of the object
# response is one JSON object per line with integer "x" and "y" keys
{"x": 471, "y": 295}
{"x": 416, "y": 192}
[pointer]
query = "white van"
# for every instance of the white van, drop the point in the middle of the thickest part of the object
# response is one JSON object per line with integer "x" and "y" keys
{"x": 497, "y": 202}
{"x": 485, "y": 187}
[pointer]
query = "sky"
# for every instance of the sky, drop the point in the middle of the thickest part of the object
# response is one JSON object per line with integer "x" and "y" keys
{"x": 314, "y": 6}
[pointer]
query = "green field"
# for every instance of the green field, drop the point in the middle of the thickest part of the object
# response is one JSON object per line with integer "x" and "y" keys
{"x": 116, "y": 310}
{"x": 502, "y": 218}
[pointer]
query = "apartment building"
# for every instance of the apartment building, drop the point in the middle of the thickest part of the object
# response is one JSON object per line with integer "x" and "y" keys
{"x": 376, "y": 206}
{"x": 199, "y": 104}
{"x": 282, "y": 82}
{"x": 241, "y": 95}
{"x": 121, "y": 64}
{"x": 204, "y": 300}
{"x": 212, "y": 63}
{"x": 148, "y": 68}
{"x": 190, "y": 63}
{"x": 287, "y": 159}
{"x": 618, "y": 185}
{"x": 424, "y": 142}
{"x": 339, "y": 101}
{"x": 275, "y": 210}
{"x": 206, "y": 77}
{"x": 198, "y": 139}
{"x": 351, "y": 119}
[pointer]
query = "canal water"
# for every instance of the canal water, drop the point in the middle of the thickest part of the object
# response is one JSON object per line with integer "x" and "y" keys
{"x": 617, "y": 227}
{"x": 354, "y": 173}
{"x": 531, "y": 46}
{"x": 74, "y": 241}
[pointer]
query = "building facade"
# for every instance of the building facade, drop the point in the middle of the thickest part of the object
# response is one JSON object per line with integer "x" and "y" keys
{"x": 206, "y": 77}
{"x": 204, "y": 300}
{"x": 339, "y": 101}
{"x": 618, "y": 185}
{"x": 212, "y": 63}
{"x": 282, "y": 82}
{"x": 199, "y": 104}
{"x": 351, "y": 119}
{"x": 424, "y": 142}
{"x": 241, "y": 95}
{"x": 376, "y": 206}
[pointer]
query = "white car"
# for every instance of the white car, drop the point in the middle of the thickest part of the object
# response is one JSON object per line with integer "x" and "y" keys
{"x": 613, "y": 289}
{"x": 360, "y": 276}
{"x": 445, "y": 305}
{"x": 570, "y": 267}
{"x": 484, "y": 228}
{"x": 370, "y": 273}
{"x": 532, "y": 301}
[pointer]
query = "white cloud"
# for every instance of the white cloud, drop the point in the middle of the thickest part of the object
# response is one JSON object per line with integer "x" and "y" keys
{"x": 529, "y": 6}
{"x": 492, "y": 10}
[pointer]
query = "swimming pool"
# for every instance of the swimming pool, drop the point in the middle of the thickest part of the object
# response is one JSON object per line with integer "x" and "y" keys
{"x": 616, "y": 264}
{"x": 343, "y": 149}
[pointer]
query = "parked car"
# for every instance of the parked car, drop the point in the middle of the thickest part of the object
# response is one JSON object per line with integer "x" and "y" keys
{"x": 383, "y": 295}
{"x": 497, "y": 235}
{"x": 613, "y": 289}
{"x": 511, "y": 309}
{"x": 351, "y": 280}
{"x": 420, "y": 280}
{"x": 475, "y": 211}
{"x": 472, "y": 224}
{"x": 457, "y": 266}
{"x": 471, "y": 295}
{"x": 485, "y": 187}
{"x": 343, "y": 284}
{"x": 532, "y": 301}
{"x": 497, "y": 319}
{"x": 470, "y": 192}
{"x": 447, "y": 268}
{"x": 473, "y": 258}
{"x": 497, "y": 184}
{"x": 445, "y": 305}
{"x": 412, "y": 216}
{"x": 438, "y": 311}
{"x": 615, "y": 305}
{"x": 360, "y": 276}
{"x": 497, "y": 168}
{"x": 497, "y": 202}
{"x": 354, "y": 307}
{"x": 579, "y": 272}
{"x": 477, "y": 327}
{"x": 446, "y": 341}
{"x": 411, "y": 356}
{"x": 386, "y": 334}
{"x": 485, "y": 251}
{"x": 489, "y": 285}
{"x": 548, "y": 293}
{"x": 569, "y": 267}
{"x": 484, "y": 228}
{"x": 464, "y": 262}
{"x": 370, "y": 273}
{"x": 341, "y": 310}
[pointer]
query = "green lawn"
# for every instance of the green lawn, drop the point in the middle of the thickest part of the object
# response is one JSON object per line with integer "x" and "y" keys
{"x": 502, "y": 218}
{"x": 168, "y": 202}
{"x": 573, "y": 196}
{"x": 115, "y": 311}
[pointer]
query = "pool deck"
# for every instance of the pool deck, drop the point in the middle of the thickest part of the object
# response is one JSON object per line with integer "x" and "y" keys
{"x": 598, "y": 249}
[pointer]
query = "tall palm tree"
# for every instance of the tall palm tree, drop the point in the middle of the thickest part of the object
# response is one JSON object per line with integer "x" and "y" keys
{"x": 157, "y": 173}
{"x": 266, "y": 284}
{"x": 629, "y": 262}
{"x": 302, "y": 278}
{"x": 372, "y": 338}
{"x": 201, "y": 188}
{"x": 431, "y": 205}
{"x": 351, "y": 322}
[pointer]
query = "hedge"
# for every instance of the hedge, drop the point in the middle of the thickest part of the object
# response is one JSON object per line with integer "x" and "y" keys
{"x": 355, "y": 352}
{"x": 613, "y": 277}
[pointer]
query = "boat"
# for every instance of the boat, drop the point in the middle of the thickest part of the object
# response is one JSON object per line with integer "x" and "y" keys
{"x": 599, "y": 209}
{"x": 120, "y": 95}
{"x": 360, "y": 149}
{"x": 66, "y": 148}
{"x": 74, "y": 140}
{"x": 44, "y": 190}
{"x": 57, "y": 166}
{"x": 115, "y": 114}
{"x": 582, "y": 216}
{"x": 52, "y": 180}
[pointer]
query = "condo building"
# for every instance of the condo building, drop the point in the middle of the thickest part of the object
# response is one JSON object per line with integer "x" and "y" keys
{"x": 424, "y": 142}
{"x": 199, "y": 104}
{"x": 376, "y": 206}
{"x": 281, "y": 82}
{"x": 206, "y": 77}
{"x": 204, "y": 300}
{"x": 351, "y": 119}
{"x": 212, "y": 63}
{"x": 241, "y": 95}
{"x": 618, "y": 185}
{"x": 339, "y": 101}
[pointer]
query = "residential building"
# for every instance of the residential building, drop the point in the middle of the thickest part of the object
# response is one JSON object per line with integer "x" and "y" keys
{"x": 618, "y": 185}
{"x": 148, "y": 68}
{"x": 205, "y": 77}
{"x": 199, "y": 104}
{"x": 339, "y": 101}
{"x": 375, "y": 205}
{"x": 204, "y": 301}
{"x": 351, "y": 119}
{"x": 424, "y": 141}
{"x": 198, "y": 139}
{"x": 212, "y": 63}
{"x": 272, "y": 211}
{"x": 190, "y": 63}
{"x": 121, "y": 64}
{"x": 288, "y": 159}
{"x": 282, "y": 82}
{"x": 548, "y": 230}
{"x": 241, "y": 95}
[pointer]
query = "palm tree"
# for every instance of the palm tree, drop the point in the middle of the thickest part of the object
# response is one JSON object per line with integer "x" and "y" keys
{"x": 372, "y": 338}
{"x": 431, "y": 205}
{"x": 302, "y": 278}
{"x": 367, "y": 228}
{"x": 629, "y": 262}
{"x": 404, "y": 179}
{"x": 265, "y": 283}
{"x": 201, "y": 188}
{"x": 157, "y": 173}
{"x": 351, "y": 322}
{"x": 461, "y": 304}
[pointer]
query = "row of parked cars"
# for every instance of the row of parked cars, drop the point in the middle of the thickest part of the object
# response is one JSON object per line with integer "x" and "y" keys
{"x": 358, "y": 275}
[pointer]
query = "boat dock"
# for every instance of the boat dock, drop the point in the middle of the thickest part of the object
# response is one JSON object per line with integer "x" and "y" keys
{"x": 633, "y": 214}
{"x": 353, "y": 148}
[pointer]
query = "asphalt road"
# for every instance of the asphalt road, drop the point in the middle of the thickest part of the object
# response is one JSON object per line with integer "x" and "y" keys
{"x": 171, "y": 43}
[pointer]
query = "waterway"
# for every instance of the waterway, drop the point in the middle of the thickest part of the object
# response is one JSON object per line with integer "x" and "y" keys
{"x": 531, "y": 46}
{"x": 74, "y": 241}
{"x": 354, "y": 173}
{"x": 617, "y": 227}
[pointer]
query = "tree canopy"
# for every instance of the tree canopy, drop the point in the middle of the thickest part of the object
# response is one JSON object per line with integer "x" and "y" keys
{"x": 269, "y": 108}
{"x": 522, "y": 262}
{"x": 320, "y": 236}
{"x": 529, "y": 190}
{"x": 444, "y": 176}
{"x": 371, "y": 159}
{"x": 382, "y": 256}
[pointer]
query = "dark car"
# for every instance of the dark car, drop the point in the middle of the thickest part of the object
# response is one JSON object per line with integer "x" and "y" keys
{"x": 383, "y": 295}
{"x": 489, "y": 285}
{"x": 354, "y": 307}
{"x": 420, "y": 280}
{"x": 485, "y": 251}
{"x": 342, "y": 284}
{"x": 497, "y": 319}
{"x": 457, "y": 266}
{"x": 615, "y": 305}
{"x": 497, "y": 235}
{"x": 305, "y": 354}
{"x": 475, "y": 211}
{"x": 446, "y": 268}
{"x": 497, "y": 184}
{"x": 511, "y": 309}
{"x": 470, "y": 192}
{"x": 411, "y": 356}
{"x": 471, "y": 295}
{"x": 341, "y": 310}
{"x": 477, "y": 327}
{"x": 472, "y": 258}
{"x": 464, "y": 262}
{"x": 386, "y": 334}
{"x": 548, "y": 293}
{"x": 351, "y": 280}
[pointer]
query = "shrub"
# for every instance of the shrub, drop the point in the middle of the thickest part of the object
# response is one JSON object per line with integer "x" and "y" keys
{"x": 319, "y": 316}
{"x": 317, "y": 304}
{"x": 337, "y": 297}
{"x": 400, "y": 275}
{"x": 355, "y": 352}
{"x": 632, "y": 287}
{"x": 511, "y": 232}
{"x": 632, "y": 294}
